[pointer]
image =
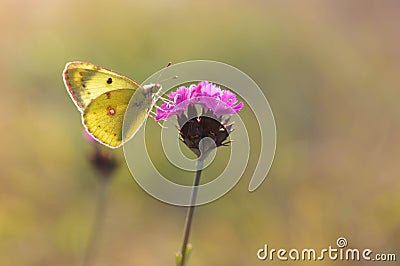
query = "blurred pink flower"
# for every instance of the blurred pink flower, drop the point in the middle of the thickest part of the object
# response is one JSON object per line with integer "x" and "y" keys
{"x": 89, "y": 137}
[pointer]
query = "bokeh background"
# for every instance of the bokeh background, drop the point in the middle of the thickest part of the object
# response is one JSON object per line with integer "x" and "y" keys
{"x": 330, "y": 70}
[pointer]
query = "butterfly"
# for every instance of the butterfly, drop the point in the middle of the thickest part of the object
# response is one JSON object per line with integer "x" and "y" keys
{"x": 102, "y": 96}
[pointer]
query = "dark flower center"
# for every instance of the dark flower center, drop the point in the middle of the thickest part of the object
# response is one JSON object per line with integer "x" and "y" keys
{"x": 197, "y": 128}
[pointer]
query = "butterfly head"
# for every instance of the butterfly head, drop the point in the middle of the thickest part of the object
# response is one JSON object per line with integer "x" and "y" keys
{"x": 152, "y": 88}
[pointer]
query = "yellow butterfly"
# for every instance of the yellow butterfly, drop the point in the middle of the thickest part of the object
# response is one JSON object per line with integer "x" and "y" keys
{"x": 102, "y": 96}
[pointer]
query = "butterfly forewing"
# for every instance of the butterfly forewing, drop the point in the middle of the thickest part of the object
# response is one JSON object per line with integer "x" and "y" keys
{"x": 85, "y": 82}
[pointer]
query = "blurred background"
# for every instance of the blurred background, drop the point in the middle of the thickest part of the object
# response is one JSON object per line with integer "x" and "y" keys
{"x": 330, "y": 71}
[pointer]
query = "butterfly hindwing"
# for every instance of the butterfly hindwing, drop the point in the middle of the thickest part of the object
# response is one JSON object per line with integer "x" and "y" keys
{"x": 103, "y": 117}
{"x": 86, "y": 81}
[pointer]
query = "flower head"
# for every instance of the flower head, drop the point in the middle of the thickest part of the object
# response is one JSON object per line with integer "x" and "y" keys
{"x": 195, "y": 127}
{"x": 103, "y": 161}
{"x": 209, "y": 95}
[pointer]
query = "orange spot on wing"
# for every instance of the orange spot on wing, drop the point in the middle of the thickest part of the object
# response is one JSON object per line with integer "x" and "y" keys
{"x": 111, "y": 110}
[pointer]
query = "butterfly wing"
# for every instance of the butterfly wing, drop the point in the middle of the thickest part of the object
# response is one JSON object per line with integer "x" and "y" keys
{"x": 140, "y": 104}
{"x": 86, "y": 81}
{"x": 102, "y": 96}
{"x": 103, "y": 117}
{"x": 115, "y": 116}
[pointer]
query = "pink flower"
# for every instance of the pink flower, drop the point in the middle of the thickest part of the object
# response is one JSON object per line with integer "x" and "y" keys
{"x": 89, "y": 137}
{"x": 164, "y": 111}
{"x": 209, "y": 89}
{"x": 180, "y": 95}
{"x": 228, "y": 97}
{"x": 208, "y": 95}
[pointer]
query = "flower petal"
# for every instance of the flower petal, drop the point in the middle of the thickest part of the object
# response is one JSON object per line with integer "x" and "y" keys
{"x": 206, "y": 94}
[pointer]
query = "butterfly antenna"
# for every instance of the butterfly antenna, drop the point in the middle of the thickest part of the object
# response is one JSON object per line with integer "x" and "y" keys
{"x": 173, "y": 77}
{"x": 162, "y": 72}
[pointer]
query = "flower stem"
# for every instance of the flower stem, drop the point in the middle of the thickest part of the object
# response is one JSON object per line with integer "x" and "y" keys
{"x": 189, "y": 217}
{"x": 90, "y": 250}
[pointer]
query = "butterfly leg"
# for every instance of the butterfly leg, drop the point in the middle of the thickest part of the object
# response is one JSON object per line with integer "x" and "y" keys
{"x": 152, "y": 115}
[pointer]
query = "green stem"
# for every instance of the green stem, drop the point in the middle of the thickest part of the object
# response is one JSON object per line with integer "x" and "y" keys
{"x": 189, "y": 217}
{"x": 90, "y": 250}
